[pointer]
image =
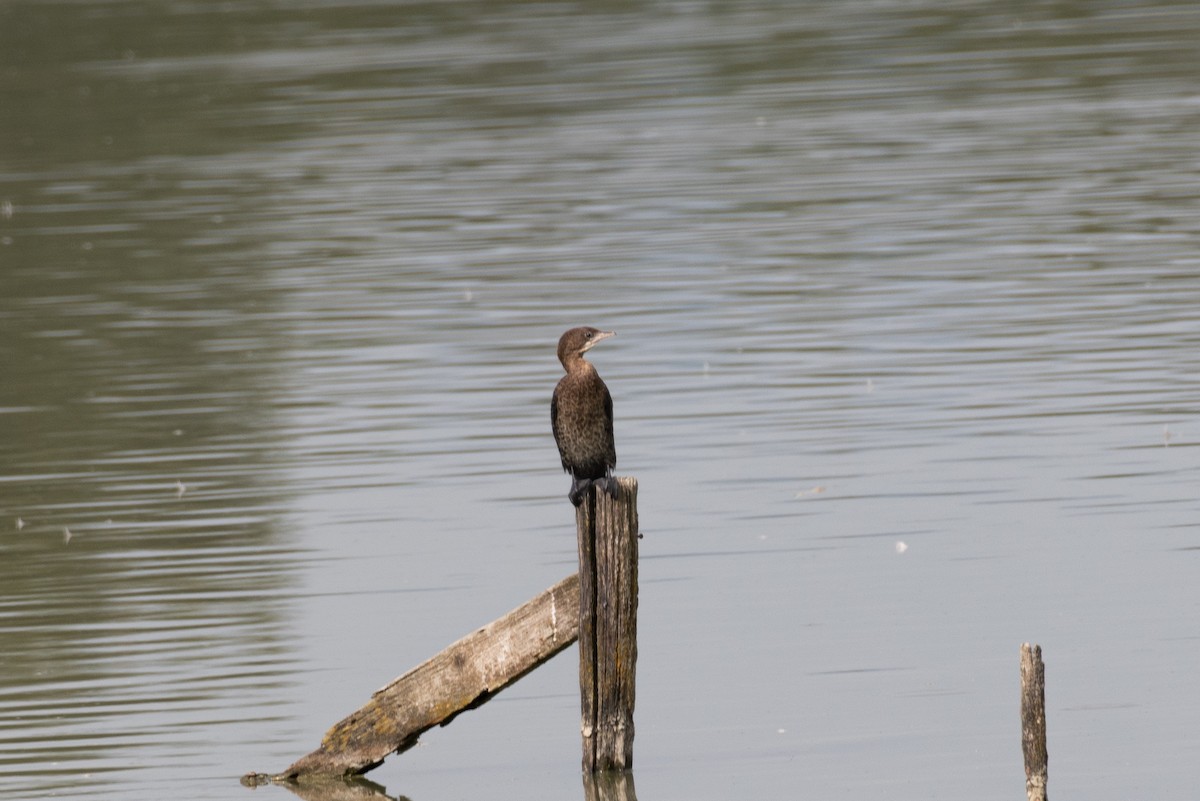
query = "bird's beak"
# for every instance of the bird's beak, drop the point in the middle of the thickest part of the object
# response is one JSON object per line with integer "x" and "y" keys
{"x": 599, "y": 336}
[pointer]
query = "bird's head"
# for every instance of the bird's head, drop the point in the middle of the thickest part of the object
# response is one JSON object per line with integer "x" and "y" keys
{"x": 578, "y": 341}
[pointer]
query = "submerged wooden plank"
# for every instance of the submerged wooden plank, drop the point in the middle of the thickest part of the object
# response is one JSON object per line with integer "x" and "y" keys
{"x": 463, "y": 676}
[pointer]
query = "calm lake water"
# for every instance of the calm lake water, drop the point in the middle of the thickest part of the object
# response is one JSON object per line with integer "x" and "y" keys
{"x": 906, "y": 297}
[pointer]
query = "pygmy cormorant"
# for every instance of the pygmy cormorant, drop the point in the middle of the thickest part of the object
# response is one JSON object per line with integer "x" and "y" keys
{"x": 581, "y": 415}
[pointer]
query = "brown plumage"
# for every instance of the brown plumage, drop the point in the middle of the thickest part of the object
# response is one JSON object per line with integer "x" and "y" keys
{"x": 582, "y": 417}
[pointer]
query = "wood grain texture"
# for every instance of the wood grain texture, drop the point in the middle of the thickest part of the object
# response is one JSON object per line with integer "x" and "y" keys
{"x": 463, "y": 676}
{"x": 607, "y": 531}
{"x": 1033, "y": 721}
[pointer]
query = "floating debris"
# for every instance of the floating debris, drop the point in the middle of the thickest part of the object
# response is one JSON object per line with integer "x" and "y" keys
{"x": 20, "y": 524}
{"x": 66, "y": 536}
{"x": 809, "y": 492}
{"x": 255, "y": 780}
{"x": 901, "y": 546}
{"x": 180, "y": 488}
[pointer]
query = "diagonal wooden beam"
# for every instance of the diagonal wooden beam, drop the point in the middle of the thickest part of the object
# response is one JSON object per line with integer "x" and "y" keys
{"x": 463, "y": 676}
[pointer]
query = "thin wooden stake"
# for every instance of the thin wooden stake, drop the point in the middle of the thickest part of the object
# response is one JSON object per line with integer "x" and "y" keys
{"x": 1033, "y": 721}
{"x": 607, "y": 530}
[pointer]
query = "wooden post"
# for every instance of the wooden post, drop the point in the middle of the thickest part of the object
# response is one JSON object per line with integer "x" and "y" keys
{"x": 607, "y": 530}
{"x": 463, "y": 676}
{"x": 1033, "y": 721}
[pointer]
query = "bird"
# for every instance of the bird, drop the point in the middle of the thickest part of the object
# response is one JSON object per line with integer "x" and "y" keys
{"x": 581, "y": 415}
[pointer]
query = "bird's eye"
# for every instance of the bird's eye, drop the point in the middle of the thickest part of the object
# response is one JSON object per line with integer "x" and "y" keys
{"x": 588, "y": 334}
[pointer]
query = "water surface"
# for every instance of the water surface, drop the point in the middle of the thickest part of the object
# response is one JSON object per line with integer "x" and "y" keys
{"x": 906, "y": 368}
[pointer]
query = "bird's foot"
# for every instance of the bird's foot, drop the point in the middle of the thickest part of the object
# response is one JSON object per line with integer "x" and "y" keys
{"x": 581, "y": 486}
{"x": 579, "y": 490}
{"x": 609, "y": 485}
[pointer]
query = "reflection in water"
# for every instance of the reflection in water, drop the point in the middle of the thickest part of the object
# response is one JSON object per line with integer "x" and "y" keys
{"x": 334, "y": 789}
{"x": 279, "y": 288}
{"x": 606, "y": 786}
{"x": 159, "y": 615}
{"x": 137, "y": 416}
{"x": 609, "y": 786}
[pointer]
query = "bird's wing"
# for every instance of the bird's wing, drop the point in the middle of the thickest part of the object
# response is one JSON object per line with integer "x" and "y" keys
{"x": 610, "y": 457}
{"x": 554, "y": 415}
{"x": 554, "y": 427}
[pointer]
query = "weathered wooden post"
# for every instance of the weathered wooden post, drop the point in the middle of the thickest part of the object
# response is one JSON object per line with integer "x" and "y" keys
{"x": 1033, "y": 721}
{"x": 607, "y": 530}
